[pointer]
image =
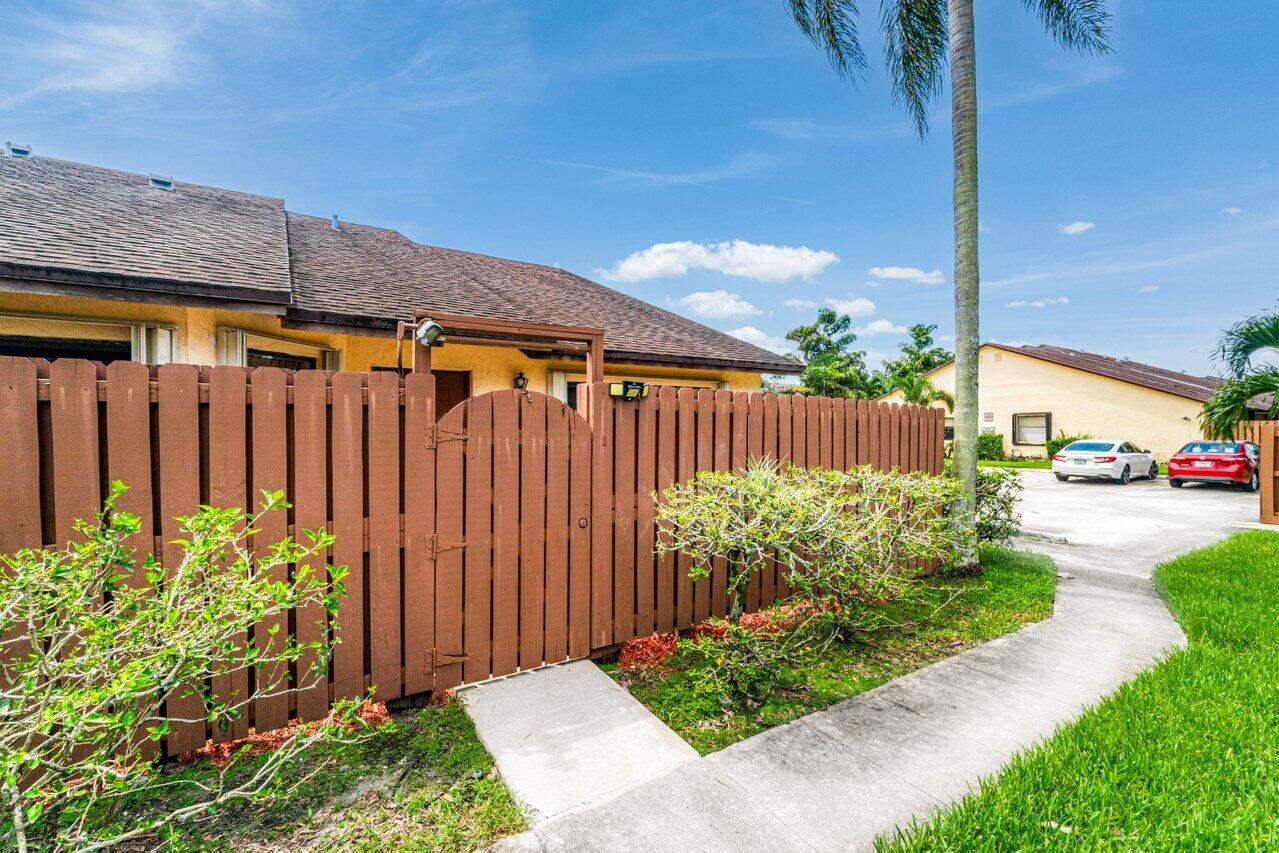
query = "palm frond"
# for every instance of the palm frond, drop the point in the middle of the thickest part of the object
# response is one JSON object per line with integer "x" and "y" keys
{"x": 1245, "y": 339}
{"x": 832, "y": 26}
{"x": 1082, "y": 25}
{"x": 1225, "y": 409}
{"x": 915, "y": 52}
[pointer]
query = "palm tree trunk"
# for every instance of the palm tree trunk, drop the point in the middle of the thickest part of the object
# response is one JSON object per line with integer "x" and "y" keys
{"x": 963, "y": 112}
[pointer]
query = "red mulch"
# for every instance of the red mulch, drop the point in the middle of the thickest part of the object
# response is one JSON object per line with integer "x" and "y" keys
{"x": 372, "y": 713}
{"x": 654, "y": 650}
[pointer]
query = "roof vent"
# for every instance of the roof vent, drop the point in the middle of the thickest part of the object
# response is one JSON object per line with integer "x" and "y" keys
{"x": 12, "y": 149}
{"x": 161, "y": 182}
{"x": 333, "y": 223}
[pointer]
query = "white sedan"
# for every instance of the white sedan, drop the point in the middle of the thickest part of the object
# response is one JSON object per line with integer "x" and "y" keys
{"x": 1119, "y": 461}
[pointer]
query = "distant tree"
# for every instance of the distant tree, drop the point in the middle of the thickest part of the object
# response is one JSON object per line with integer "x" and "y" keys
{"x": 919, "y": 391}
{"x": 921, "y": 39}
{"x": 1240, "y": 345}
{"x": 832, "y": 368}
{"x": 920, "y": 355}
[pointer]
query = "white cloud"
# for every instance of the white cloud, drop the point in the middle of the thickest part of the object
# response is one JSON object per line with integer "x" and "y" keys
{"x": 1079, "y": 226}
{"x": 858, "y": 307}
{"x": 738, "y": 167}
{"x": 1038, "y": 303}
{"x": 1150, "y": 288}
{"x": 914, "y": 274}
{"x": 718, "y": 304}
{"x": 881, "y": 327}
{"x": 759, "y": 261}
{"x": 760, "y": 338}
{"x": 1232, "y": 211}
{"x": 800, "y": 304}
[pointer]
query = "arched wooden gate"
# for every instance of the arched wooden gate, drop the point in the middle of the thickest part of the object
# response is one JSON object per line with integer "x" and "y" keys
{"x": 512, "y": 568}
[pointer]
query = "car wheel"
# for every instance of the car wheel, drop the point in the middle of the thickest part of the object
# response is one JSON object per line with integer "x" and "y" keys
{"x": 1126, "y": 476}
{"x": 1154, "y": 470}
{"x": 1176, "y": 484}
{"x": 1254, "y": 482}
{"x": 1062, "y": 477}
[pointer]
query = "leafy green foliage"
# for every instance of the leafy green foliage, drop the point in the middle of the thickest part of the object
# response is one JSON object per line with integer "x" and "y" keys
{"x": 1234, "y": 399}
{"x": 738, "y": 666}
{"x": 950, "y": 613}
{"x": 1053, "y": 446}
{"x": 998, "y": 493}
{"x": 990, "y": 446}
{"x": 1180, "y": 758}
{"x": 94, "y": 640}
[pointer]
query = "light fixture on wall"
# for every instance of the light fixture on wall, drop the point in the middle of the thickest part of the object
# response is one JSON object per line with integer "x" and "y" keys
{"x": 521, "y": 381}
{"x": 428, "y": 332}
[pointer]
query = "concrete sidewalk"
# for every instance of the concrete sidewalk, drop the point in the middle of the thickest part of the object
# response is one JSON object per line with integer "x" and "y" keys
{"x": 839, "y": 778}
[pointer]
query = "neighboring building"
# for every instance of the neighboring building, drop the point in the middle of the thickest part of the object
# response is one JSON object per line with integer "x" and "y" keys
{"x": 1029, "y": 393}
{"x": 107, "y": 265}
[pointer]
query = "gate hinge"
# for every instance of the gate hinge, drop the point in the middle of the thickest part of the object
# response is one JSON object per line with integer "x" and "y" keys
{"x": 444, "y": 659}
{"x": 434, "y": 547}
{"x": 436, "y": 436}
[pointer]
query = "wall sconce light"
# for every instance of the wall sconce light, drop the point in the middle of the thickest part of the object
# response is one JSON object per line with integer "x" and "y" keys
{"x": 428, "y": 332}
{"x": 628, "y": 389}
{"x": 521, "y": 381}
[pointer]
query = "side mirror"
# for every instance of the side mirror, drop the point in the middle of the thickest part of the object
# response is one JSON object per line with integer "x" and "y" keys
{"x": 1147, "y": 450}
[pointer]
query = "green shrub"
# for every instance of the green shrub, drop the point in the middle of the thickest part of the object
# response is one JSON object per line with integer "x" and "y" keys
{"x": 742, "y": 666}
{"x": 1054, "y": 445}
{"x": 92, "y": 641}
{"x": 990, "y": 446}
{"x": 998, "y": 492}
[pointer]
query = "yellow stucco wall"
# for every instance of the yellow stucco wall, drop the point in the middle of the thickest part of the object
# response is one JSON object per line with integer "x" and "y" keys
{"x": 491, "y": 368}
{"x": 1080, "y": 403}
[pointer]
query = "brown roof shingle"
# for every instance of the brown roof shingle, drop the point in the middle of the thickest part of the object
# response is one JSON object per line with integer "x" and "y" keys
{"x": 1198, "y": 388}
{"x": 88, "y": 222}
{"x": 381, "y": 275}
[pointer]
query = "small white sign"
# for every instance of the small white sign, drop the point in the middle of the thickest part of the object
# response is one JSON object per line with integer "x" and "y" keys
{"x": 987, "y": 430}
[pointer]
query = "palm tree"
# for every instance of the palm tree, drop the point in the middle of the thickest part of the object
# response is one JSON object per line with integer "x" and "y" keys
{"x": 917, "y": 34}
{"x": 920, "y": 391}
{"x": 1234, "y": 398}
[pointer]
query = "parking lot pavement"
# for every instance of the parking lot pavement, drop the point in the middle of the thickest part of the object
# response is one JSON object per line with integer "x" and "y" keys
{"x": 1128, "y": 529}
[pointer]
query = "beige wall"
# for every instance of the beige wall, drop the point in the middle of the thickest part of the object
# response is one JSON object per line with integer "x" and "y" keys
{"x": 1080, "y": 403}
{"x": 491, "y": 368}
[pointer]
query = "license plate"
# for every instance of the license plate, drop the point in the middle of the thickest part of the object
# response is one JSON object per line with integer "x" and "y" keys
{"x": 1203, "y": 463}
{"x": 1080, "y": 461}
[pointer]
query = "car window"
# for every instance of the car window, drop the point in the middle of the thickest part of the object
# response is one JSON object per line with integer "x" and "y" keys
{"x": 1211, "y": 447}
{"x": 1090, "y": 446}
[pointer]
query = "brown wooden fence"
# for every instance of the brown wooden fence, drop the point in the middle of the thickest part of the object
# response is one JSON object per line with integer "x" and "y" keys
{"x": 512, "y": 533}
{"x": 1265, "y": 434}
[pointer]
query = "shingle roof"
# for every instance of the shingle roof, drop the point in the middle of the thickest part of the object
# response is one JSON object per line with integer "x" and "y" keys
{"x": 378, "y": 274}
{"x": 1198, "y": 388}
{"x": 92, "y": 224}
{"x": 75, "y": 223}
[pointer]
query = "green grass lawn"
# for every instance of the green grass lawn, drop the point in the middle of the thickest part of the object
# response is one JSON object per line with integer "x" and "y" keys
{"x": 422, "y": 782}
{"x": 1015, "y": 588}
{"x": 1185, "y": 757}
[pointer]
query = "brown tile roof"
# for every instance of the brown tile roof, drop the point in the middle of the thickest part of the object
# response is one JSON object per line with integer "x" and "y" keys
{"x": 381, "y": 275}
{"x": 1198, "y": 388}
{"x": 98, "y": 226}
{"x": 74, "y": 223}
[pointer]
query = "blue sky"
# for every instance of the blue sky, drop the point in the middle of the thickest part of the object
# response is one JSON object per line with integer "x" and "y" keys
{"x": 705, "y": 157}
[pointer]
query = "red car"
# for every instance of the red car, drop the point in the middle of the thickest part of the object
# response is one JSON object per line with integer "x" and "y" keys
{"x": 1216, "y": 462}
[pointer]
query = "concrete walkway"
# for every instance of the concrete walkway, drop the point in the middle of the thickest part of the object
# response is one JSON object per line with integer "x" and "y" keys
{"x": 839, "y": 778}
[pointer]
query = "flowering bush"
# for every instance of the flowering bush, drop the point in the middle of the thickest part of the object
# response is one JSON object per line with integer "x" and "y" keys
{"x": 88, "y": 658}
{"x": 998, "y": 492}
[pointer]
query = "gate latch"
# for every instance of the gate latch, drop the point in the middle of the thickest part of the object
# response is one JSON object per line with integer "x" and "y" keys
{"x": 436, "y": 436}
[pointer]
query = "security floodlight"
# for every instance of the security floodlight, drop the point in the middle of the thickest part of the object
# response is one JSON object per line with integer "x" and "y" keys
{"x": 428, "y": 332}
{"x": 628, "y": 389}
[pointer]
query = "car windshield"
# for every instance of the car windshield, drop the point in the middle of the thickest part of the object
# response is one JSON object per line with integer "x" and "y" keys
{"x": 1211, "y": 447}
{"x": 1090, "y": 446}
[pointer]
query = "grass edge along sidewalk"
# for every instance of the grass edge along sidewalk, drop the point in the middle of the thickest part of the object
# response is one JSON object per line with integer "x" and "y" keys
{"x": 1182, "y": 757}
{"x": 1015, "y": 589}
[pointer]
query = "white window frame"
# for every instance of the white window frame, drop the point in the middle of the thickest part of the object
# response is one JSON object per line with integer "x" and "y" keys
{"x": 149, "y": 342}
{"x": 233, "y": 348}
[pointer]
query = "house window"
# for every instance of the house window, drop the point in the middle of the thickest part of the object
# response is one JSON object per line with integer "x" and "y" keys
{"x": 1032, "y": 428}
{"x": 53, "y": 337}
{"x": 949, "y": 429}
{"x": 563, "y": 385}
{"x": 242, "y": 348}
